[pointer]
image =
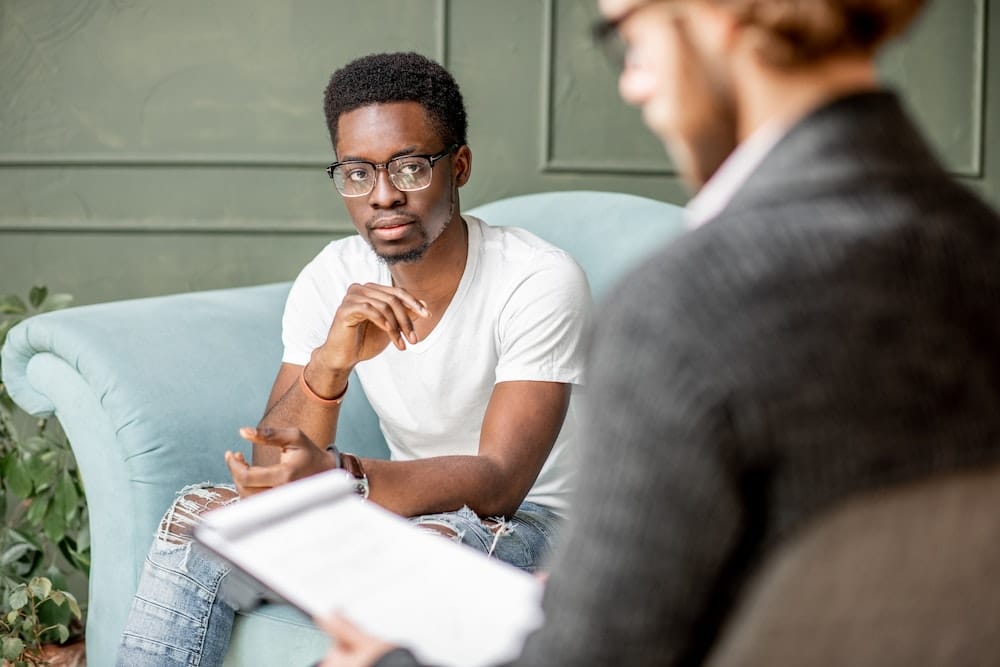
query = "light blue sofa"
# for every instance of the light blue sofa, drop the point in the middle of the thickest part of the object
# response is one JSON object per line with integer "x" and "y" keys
{"x": 151, "y": 392}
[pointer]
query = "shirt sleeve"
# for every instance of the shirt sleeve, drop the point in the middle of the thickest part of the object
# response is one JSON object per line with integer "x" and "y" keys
{"x": 542, "y": 324}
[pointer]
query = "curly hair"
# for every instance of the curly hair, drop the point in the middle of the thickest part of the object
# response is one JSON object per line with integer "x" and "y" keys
{"x": 398, "y": 77}
{"x": 795, "y": 32}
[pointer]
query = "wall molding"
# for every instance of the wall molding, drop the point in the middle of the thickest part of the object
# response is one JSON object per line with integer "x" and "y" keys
{"x": 201, "y": 160}
{"x": 443, "y": 28}
{"x": 188, "y": 227}
{"x": 550, "y": 164}
{"x": 975, "y": 170}
{"x": 94, "y": 160}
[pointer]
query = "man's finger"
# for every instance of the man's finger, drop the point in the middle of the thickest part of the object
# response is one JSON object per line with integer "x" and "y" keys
{"x": 237, "y": 469}
{"x": 342, "y": 630}
{"x": 409, "y": 301}
{"x": 274, "y": 436}
{"x": 260, "y": 477}
{"x": 402, "y": 311}
{"x": 232, "y": 463}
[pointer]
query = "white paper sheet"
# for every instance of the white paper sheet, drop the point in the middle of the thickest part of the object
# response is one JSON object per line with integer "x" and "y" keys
{"x": 320, "y": 547}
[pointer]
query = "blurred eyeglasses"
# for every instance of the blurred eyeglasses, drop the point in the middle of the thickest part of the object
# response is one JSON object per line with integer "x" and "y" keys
{"x": 607, "y": 37}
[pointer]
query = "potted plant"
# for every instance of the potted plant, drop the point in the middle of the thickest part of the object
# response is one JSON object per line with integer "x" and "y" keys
{"x": 40, "y": 616}
{"x": 44, "y": 539}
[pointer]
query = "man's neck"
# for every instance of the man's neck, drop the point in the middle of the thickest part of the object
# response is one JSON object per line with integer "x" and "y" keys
{"x": 767, "y": 95}
{"x": 436, "y": 275}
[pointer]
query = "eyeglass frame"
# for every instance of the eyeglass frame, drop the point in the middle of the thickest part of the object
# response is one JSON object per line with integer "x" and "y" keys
{"x": 432, "y": 159}
{"x": 602, "y": 30}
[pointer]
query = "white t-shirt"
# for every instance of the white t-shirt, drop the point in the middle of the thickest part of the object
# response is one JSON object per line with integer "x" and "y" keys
{"x": 519, "y": 313}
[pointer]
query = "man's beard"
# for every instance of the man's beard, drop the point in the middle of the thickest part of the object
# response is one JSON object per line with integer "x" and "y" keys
{"x": 710, "y": 129}
{"x": 411, "y": 255}
{"x": 415, "y": 254}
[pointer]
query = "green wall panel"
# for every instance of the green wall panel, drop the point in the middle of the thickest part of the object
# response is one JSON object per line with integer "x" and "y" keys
{"x": 121, "y": 265}
{"x": 188, "y": 80}
{"x": 151, "y": 147}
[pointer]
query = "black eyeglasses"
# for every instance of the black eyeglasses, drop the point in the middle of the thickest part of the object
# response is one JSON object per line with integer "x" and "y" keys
{"x": 356, "y": 178}
{"x": 607, "y": 37}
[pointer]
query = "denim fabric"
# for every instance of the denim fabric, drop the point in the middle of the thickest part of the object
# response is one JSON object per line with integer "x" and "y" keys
{"x": 523, "y": 540}
{"x": 183, "y": 611}
{"x": 177, "y": 615}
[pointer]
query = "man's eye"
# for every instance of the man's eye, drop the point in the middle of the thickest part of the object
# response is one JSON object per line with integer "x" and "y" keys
{"x": 357, "y": 175}
{"x": 410, "y": 168}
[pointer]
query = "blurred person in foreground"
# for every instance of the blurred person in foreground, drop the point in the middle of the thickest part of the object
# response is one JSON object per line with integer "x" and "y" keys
{"x": 829, "y": 326}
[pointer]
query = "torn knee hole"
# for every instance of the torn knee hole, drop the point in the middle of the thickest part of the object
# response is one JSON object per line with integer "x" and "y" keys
{"x": 439, "y": 529}
{"x": 186, "y": 511}
{"x": 495, "y": 526}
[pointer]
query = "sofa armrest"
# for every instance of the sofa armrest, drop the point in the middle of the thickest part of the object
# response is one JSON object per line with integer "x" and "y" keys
{"x": 150, "y": 393}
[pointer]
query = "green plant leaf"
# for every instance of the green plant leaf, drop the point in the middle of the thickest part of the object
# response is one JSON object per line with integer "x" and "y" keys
{"x": 11, "y": 304}
{"x": 18, "y": 535}
{"x": 42, "y": 470}
{"x": 40, "y": 587}
{"x": 76, "y": 550}
{"x": 12, "y": 648}
{"x": 24, "y": 567}
{"x": 37, "y": 295}
{"x": 35, "y": 444}
{"x": 14, "y": 553}
{"x": 54, "y": 522}
{"x": 74, "y": 606}
{"x": 83, "y": 537}
{"x": 56, "y": 302}
{"x": 16, "y": 477}
{"x": 18, "y": 597}
{"x": 66, "y": 499}
{"x": 57, "y": 578}
{"x": 63, "y": 633}
{"x": 39, "y": 508}
{"x": 58, "y": 597}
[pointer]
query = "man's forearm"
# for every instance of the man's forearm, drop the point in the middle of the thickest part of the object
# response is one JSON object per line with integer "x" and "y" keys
{"x": 444, "y": 484}
{"x": 304, "y": 408}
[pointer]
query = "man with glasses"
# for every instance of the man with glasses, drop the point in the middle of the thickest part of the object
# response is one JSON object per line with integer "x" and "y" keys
{"x": 830, "y": 326}
{"x": 466, "y": 340}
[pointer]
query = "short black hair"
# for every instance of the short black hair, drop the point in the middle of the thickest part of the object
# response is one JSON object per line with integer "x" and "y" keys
{"x": 380, "y": 78}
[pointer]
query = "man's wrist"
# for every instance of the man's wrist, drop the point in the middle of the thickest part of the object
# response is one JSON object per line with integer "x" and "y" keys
{"x": 323, "y": 382}
{"x": 352, "y": 465}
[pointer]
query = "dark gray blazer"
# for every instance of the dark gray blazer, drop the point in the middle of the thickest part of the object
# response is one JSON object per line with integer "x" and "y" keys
{"x": 836, "y": 329}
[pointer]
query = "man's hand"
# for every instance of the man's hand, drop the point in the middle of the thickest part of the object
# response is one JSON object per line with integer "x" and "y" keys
{"x": 369, "y": 318}
{"x": 351, "y": 647}
{"x": 300, "y": 457}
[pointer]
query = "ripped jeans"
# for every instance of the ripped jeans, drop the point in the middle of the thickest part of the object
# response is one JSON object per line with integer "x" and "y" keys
{"x": 183, "y": 611}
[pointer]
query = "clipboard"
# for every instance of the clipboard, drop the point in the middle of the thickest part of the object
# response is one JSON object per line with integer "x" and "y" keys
{"x": 317, "y": 545}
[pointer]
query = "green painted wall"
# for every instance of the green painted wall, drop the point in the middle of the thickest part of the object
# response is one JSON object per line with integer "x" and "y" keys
{"x": 154, "y": 147}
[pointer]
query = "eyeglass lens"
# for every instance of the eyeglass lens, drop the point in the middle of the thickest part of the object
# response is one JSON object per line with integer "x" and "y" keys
{"x": 355, "y": 179}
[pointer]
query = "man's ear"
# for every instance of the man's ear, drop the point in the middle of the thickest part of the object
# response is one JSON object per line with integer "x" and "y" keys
{"x": 462, "y": 165}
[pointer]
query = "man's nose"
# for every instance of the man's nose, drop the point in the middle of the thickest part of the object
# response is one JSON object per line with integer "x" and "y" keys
{"x": 636, "y": 83}
{"x": 385, "y": 194}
